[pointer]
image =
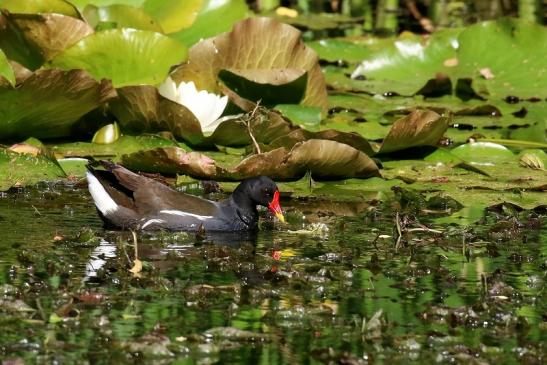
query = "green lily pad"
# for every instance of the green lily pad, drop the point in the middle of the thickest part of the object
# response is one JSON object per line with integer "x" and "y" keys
{"x": 32, "y": 39}
{"x": 83, "y": 3}
{"x": 74, "y": 166}
{"x": 206, "y": 23}
{"x": 49, "y": 102}
{"x": 173, "y": 15}
{"x": 6, "y": 71}
{"x": 142, "y": 109}
{"x": 308, "y": 117}
{"x": 507, "y": 182}
{"x": 405, "y": 65}
{"x": 271, "y": 87}
{"x": 122, "y": 16}
{"x": 334, "y": 50}
{"x": 22, "y": 169}
{"x": 134, "y": 56}
{"x": 505, "y": 57}
{"x": 321, "y": 21}
{"x": 254, "y": 44}
{"x": 40, "y": 6}
{"x": 113, "y": 151}
{"x": 484, "y": 153}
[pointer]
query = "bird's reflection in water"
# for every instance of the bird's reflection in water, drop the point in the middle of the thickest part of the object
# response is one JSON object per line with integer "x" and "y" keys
{"x": 98, "y": 258}
{"x": 167, "y": 251}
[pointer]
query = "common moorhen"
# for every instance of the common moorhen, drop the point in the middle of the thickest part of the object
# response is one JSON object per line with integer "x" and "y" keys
{"x": 128, "y": 200}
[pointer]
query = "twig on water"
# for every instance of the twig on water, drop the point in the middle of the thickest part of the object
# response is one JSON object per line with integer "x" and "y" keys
{"x": 248, "y": 121}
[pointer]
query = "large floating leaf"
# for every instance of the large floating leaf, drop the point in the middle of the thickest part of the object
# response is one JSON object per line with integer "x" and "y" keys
{"x": 22, "y": 169}
{"x": 173, "y": 15}
{"x": 82, "y": 3}
{"x": 206, "y": 23}
{"x": 340, "y": 50}
{"x": 113, "y": 151}
{"x": 120, "y": 16}
{"x": 49, "y": 102}
{"x": 125, "y": 56}
{"x": 484, "y": 153}
{"x": 420, "y": 128}
{"x": 406, "y": 64}
{"x": 324, "y": 159}
{"x": 254, "y": 44}
{"x": 5, "y": 69}
{"x": 143, "y": 109}
{"x": 513, "y": 52}
{"x": 507, "y": 182}
{"x": 497, "y": 58}
{"x": 40, "y": 6}
{"x": 32, "y": 39}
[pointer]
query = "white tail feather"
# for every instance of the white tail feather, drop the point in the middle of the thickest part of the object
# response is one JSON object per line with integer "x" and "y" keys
{"x": 103, "y": 201}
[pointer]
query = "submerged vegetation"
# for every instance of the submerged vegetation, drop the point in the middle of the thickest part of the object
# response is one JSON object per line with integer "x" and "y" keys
{"x": 412, "y": 166}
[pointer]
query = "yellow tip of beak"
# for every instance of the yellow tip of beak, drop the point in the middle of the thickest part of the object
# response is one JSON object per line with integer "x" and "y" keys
{"x": 280, "y": 217}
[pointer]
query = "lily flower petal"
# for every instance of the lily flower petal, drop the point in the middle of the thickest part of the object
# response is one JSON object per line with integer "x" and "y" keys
{"x": 206, "y": 107}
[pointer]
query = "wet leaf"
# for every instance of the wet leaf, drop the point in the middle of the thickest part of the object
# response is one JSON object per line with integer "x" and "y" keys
{"x": 32, "y": 39}
{"x": 420, "y": 128}
{"x": 49, "y": 103}
{"x": 122, "y": 16}
{"x": 266, "y": 44}
{"x": 143, "y": 109}
{"x": 206, "y": 22}
{"x": 324, "y": 159}
{"x": 135, "y": 56}
{"x": 171, "y": 161}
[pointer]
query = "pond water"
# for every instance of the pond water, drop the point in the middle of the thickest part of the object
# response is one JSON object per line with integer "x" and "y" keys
{"x": 342, "y": 291}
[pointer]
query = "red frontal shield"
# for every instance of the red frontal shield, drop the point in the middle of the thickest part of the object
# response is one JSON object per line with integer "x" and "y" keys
{"x": 275, "y": 208}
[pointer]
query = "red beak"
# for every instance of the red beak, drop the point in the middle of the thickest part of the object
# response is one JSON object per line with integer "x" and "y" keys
{"x": 275, "y": 208}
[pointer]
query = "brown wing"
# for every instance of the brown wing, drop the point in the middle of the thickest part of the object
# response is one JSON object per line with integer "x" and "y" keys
{"x": 151, "y": 196}
{"x": 155, "y": 196}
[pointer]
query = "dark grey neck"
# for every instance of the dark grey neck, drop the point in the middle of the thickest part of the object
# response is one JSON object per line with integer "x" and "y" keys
{"x": 245, "y": 207}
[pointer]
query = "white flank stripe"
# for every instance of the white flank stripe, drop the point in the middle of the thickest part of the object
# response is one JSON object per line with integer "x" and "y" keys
{"x": 152, "y": 221}
{"x": 184, "y": 214}
{"x": 102, "y": 200}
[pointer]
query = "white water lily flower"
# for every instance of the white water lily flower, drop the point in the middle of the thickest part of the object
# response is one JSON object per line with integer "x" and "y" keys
{"x": 206, "y": 107}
